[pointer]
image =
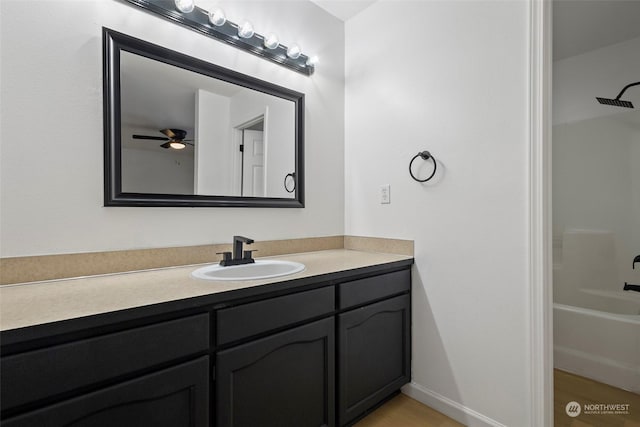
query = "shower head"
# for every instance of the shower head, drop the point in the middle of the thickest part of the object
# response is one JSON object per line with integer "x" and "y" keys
{"x": 618, "y": 102}
{"x": 615, "y": 102}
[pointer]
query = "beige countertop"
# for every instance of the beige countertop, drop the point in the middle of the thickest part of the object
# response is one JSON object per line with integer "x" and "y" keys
{"x": 35, "y": 303}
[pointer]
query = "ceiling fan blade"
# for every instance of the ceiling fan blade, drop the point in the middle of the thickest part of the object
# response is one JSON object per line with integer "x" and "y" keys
{"x": 155, "y": 138}
{"x": 166, "y": 144}
{"x": 168, "y": 132}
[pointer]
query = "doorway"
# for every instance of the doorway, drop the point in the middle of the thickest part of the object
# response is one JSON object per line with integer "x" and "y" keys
{"x": 250, "y": 157}
{"x": 595, "y": 160}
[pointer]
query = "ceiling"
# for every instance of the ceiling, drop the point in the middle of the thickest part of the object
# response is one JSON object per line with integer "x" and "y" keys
{"x": 580, "y": 26}
{"x": 344, "y": 9}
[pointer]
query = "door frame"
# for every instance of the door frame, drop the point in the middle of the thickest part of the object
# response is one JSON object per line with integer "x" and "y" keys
{"x": 238, "y": 139}
{"x": 540, "y": 214}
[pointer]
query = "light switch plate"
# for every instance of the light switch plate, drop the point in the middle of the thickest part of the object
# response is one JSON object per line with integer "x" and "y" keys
{"x": 385, "y": 194}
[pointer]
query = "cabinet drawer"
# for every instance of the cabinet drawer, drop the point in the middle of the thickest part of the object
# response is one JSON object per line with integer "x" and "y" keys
{"x": 174, "y": 397}
{"x": 37, "y": 374}
{"x": 254, "y": 318}
{"x": 373, "y": 288}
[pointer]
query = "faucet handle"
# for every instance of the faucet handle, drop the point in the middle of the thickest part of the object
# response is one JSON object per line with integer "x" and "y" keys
{"x": 225, "y": 255}
{"x": 247, "y": 254}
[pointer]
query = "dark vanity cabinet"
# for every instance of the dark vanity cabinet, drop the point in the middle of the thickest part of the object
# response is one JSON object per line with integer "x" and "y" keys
{"x": 286, "y": 378}
{"x": 375, "y": 357}
{"x": 374, "y": 340}
{"x": 174, "y": 397}
{"x": 158, "y": 372}
{"x": 323, "y": 352}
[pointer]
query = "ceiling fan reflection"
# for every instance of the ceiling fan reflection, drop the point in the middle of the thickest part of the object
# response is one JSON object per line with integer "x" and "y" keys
{"x": 175, "y": 138}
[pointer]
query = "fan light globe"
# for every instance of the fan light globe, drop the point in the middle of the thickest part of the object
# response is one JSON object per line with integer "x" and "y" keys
{"x": 271, "y": 41}
{"x": 245, "y": 30}
{"x": 217, "y": 17}
{"x": 294, "y": 51}
{"x": 177, "y": 145}
{"x": 185, "y": 6}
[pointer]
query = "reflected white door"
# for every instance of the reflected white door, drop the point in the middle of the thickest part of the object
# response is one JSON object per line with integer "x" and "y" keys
{"x": 253, "y": 164}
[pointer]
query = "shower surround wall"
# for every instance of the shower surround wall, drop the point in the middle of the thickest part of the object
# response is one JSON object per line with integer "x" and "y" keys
{"x": 51, "y": 111}
{"x": 595, "y": 170}
{"x": 603, "y": 72}
{"x": 450, "y": 77}
{"x": 596, "y": 153}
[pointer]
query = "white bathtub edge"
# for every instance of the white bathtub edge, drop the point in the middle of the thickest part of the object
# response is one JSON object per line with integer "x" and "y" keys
{"x": 633, "y": 319}
{"x": 598, "y": 368}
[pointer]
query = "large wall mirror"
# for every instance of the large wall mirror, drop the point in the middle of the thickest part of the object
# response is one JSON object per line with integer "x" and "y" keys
{"x": 183, "y": 132}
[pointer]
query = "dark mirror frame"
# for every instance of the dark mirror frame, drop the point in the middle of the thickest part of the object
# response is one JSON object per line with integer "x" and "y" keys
{"x": 115, "y": 42}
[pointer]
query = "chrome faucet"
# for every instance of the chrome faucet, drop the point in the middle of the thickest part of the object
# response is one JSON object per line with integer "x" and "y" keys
{"x": 238, "y": 256}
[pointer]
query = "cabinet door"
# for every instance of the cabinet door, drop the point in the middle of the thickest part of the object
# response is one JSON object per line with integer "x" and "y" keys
{"x": 375, "y": 354}
{"x": 283, "y": 380}
{"x": 173, "y": 397}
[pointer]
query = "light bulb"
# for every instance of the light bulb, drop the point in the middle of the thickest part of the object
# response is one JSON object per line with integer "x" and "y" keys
{"x": 294, "y": 51}
{"x": 185, "y": 6}
{"x": 312, "y": 60}
{"x": 271, "y": 41}
{"x": 217, "y": 17}
{"x": 245, "y": 30}
{"x": 177, "y": 145}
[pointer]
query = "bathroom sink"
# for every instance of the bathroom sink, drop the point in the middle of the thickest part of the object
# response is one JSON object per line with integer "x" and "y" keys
{"x": 261, "y": 269}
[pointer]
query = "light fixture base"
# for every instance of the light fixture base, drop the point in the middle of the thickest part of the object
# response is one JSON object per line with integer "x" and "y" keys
{"x": 198, "y": 20}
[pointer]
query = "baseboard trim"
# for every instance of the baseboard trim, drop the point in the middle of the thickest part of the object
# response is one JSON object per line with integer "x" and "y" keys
{"x": 449, "y": 407}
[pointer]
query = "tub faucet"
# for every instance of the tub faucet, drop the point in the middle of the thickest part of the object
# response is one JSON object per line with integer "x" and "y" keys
{"x": 630, "y": 287}
{"x": 238, "y": 256}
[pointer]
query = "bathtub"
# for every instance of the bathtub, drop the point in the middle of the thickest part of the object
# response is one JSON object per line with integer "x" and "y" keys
{"x": 600, "y": 341}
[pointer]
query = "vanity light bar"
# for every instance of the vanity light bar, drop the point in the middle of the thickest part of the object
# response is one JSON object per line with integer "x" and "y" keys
{"x": 229, "y": 32}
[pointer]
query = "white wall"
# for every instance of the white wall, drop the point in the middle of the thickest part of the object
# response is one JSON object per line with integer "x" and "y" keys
{"x": 578, "y": 80}
{"x": 213, "y": 145}
{"x": 149, "y": 171}
{"x": 52, "y": 135}
{"x": 452, "y": 78}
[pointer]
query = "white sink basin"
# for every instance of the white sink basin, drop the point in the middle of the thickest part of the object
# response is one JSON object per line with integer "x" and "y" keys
{"x": 261, "y": 269}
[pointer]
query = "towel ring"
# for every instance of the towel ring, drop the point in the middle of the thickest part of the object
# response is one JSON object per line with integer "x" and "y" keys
{"x": 293, "y": 177}
{"x": 424, "y": 155}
